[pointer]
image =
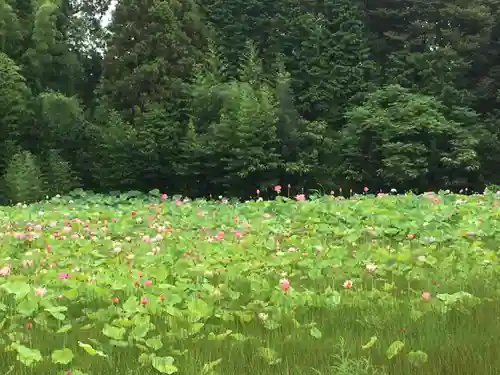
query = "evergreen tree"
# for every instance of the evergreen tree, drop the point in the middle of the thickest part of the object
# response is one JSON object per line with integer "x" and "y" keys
{"x": 10, "y": 33}
{"x": 49, "y": 61}
{"x": 15, "y": 111}
{"x": 328, "y": 57}
{"x": 23, "y": 178}
{"x": 153, "y": 48}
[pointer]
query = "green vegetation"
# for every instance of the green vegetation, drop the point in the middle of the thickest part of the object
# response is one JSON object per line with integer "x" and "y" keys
{"x": 95, "y": 284}
{"x": 210, "y": 97}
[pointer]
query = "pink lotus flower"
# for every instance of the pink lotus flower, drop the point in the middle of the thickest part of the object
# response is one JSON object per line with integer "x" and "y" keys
{"x": 148, "y": 283}
{"x": 5, "y": 271}
{"x": 426, "y": 295}
{"x": 348, "y": 284}
{"x": 300, "y": 197}
{"x": 365, "y": 189}
{"x": 40, "y": 292}
{"x": 164, "y": 196}
{"x": 284, "y": 285}
{"x": 277, "y": 189}
{"x": 63, "y": 276}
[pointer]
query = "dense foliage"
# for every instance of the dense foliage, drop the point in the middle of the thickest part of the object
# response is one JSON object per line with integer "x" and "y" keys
{"x": 223, "y": 97}
{"x": 144, "y": 284}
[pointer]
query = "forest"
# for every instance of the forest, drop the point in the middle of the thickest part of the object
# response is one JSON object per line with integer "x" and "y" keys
{"x": 228, "y": 96}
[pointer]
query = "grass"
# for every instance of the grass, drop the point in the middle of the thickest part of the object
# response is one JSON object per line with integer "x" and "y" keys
{"x": 121, "y": 285}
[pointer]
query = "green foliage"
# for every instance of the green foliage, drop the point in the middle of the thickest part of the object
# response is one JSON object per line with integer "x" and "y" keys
{"x": 58, "y": 176}
{"x": 205, "y": 287}
{"x": 243, "y": 23}
{"x": 302, "y": 142}
{"x": 23, "y": 178}
{"x": 153, "y": 49}
{"x": 63, "y": 123}
{"x": 220, "y": 98}
{"x": 224, "y": 97}
{"x": 157, "y": 144}
{"x": 244, "y": 139}
{"x": 240, "y": 144}
{"x": 116, "y": 156}
{"x": 327, "y": 55}
{"x": 397, "y": 138}
{"x": 49, "y": 61}
{"x": 250, "y": 69}
{"x": 14, "y": 105}
{"x": 10, "y": 35}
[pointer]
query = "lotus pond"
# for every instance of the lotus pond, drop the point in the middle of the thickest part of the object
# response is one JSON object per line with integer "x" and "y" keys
{"x": 371, "y": 285}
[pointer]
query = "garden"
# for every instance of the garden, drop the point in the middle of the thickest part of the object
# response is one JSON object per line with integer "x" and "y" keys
{"x": 152, "y": 284}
